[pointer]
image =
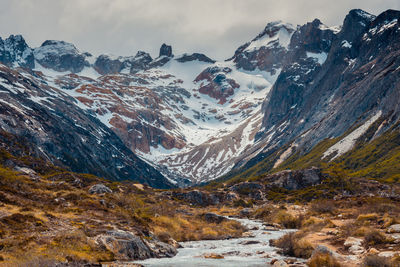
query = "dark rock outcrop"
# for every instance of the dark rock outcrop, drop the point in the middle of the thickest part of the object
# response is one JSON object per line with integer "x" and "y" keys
{"x": 166, "y": 50}
{"x": 267, "y": 51}
{"x": 127, "y": 246}
{"x": 15, "y": 51}
{"x": 249, "y": 189}
{"x": 99, "y": 189}
{"x": 61, "y": 56}
{"x": 215, "y": 83}
{"x": 106, "y": 64}
{"x": 293, "y": 180}
{"x": 193, "y": 57}
{"x": 197, "y": 197}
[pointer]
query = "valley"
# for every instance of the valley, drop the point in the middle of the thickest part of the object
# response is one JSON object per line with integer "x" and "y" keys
{"x": 285, "y": 154}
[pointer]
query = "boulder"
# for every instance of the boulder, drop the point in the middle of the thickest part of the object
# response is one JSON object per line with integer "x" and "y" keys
{"x": 279, "y": 263}
{"x": 388, "y": 254}
{"x": 354, "y": 245}
{"x": 249, "y": 242}
{"x": 395, "y": 228}
{"x": 197, "y": 197}
{"x": 231, "y": 196}
{"x": 127, "y": 246}
{"x": 396, "y": 238}
{"x": 99, "y": 189}
{"x": 250, "y": 189}
{"x": 293, "y": 180}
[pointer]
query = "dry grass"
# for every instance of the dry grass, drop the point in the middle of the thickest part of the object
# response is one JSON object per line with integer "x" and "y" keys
{"x": 294, "y": 245}
{"x": 185, "y": 229}
{"x": 323, "y": 206}
{"x": 279, "y": 216}
{"x": 323, "y": 260}
{"x": 375, "y": 237}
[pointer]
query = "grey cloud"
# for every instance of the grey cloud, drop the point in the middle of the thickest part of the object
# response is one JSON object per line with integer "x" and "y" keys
{"x": 121, "y": 27}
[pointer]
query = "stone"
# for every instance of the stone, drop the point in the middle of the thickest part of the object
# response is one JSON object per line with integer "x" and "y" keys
{"x": 354, "y": 245}
{"x": 396, "y": 238}
{"x": 279, "y": 263}
{"x": 388, "y": 254}
{"x": 99, "y": 189}
{"x": 395, "y": 228}
{"x": 125, "y": 245}
{"x": 197, "y": 197}
{"x": 249, "y": 242}
{"x": 128, "y": 246}
{"x": 373, "y": 251}
{"x": 213, "y": 256}
{"x": 248, "y": 234}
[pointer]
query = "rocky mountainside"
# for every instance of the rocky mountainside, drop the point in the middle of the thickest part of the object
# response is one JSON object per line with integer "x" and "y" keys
{"x": 61, "y": 132}
{"x": 355, "y": 91}
{"x": 195, "y": 119}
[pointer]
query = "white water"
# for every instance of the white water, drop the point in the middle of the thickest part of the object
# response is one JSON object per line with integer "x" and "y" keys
{"x": 235, "y": 253}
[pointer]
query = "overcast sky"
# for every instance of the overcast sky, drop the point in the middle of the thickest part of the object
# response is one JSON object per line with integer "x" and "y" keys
{"x": 121, "y": 27}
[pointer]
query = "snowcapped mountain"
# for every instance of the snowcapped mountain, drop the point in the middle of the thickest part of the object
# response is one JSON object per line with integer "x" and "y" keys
{"x": 195, "y": 119}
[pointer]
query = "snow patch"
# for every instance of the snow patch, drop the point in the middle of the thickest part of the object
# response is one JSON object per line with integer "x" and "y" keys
{"x": 347, "y": 143}
{"x": 320, "y": 57}
{"x": 281, "y": 38}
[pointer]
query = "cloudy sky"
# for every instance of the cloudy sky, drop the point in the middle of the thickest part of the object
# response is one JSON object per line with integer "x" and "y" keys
{"x": 121, "y": 27}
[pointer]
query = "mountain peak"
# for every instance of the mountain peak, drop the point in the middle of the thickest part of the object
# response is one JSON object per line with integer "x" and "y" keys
{"x": 15, "y": 51}
{"x": 166, "y": 50}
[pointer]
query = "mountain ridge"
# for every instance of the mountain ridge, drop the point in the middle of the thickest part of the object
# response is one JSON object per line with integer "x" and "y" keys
{"x": 196, "y": 119}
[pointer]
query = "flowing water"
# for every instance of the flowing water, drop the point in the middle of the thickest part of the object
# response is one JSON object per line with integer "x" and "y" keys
{"x": 235, "y": 251}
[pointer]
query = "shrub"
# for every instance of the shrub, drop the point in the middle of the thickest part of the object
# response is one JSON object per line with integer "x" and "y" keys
{"x": 163, "y": 236}
{"x": 294, "y": 245}
{"x": 287, "y": 220}
{"x": 323, "y": 260}
{"x": 375, "y": 237}
{"x": 323, "y": 206}
{"x": 376, "y": 261}
{"x": 367, "y": 217}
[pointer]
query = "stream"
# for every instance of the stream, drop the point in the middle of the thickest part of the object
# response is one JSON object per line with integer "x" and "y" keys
{"x": 257, "y": 252}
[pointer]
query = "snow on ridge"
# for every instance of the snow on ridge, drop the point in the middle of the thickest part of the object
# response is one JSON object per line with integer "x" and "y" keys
{"x": 55, "y": 47}
{"x": 347, "y": 143}
{"x": 281, "y": 38}
{"x": 336, "y": 29}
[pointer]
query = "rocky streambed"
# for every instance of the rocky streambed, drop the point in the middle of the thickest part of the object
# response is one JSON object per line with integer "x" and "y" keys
{"x": 252, "y": 250}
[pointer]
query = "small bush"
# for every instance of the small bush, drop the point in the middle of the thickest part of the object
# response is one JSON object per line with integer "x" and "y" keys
{"x": 294, "y": 245}
{"x": 375, "y": 237}
{"x": 376, "y": 261}
{"x": 287, "y": 220}
{"x": 323, "y": 206}
{"x": 323, "y": 260}
{"x": 367, "y": 217}
{"x": 163, "y": 236}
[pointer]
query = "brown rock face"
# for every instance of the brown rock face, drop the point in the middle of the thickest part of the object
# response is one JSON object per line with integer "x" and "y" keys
{"x": 215, "y": 84}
